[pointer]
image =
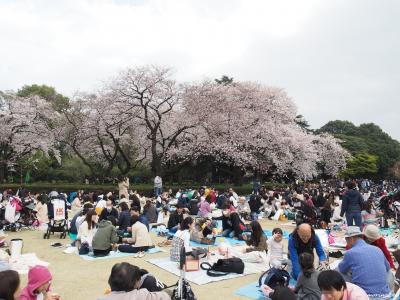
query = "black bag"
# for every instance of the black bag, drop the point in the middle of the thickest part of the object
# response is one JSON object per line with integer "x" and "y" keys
{"x": 224, "y": 266}
{"x": 187, "y": 292}
{"x": 274, "y": 277}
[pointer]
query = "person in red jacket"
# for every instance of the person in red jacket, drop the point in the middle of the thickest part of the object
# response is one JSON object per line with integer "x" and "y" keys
{"x": 373, "y": 236}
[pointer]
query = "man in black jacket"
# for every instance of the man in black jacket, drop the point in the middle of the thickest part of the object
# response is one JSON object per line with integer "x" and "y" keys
{"x": 109, "y": 210}
{"x": 176, "y": 218}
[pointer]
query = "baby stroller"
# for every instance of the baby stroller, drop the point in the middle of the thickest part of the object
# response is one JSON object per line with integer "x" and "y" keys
{"x": 58, "y": 216}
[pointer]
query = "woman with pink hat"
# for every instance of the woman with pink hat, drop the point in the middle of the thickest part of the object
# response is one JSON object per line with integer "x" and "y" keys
{"x": 373, "y": 236}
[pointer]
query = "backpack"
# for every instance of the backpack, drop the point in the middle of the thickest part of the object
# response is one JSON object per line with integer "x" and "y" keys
{"x": 224, "y": 266}
{"x": 274, "y": 277}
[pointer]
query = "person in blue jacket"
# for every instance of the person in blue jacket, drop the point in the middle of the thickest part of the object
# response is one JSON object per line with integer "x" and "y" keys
{"x": 303, "y": 239}
{"x": 352, "y": 205}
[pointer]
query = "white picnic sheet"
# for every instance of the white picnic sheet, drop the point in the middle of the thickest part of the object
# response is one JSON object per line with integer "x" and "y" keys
{"x": 25, "y": 261}
{"x": 200, "y": 277}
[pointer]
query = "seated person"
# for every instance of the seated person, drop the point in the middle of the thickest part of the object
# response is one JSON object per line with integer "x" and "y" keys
{"x": 362, "y": 260}
{"x": 333, "y": 286}
{"x": 203, "y": 227}
{"x": 150, "y": 212}
{"x": 182, "y": 239}
{"x": 124, "y": 220}
{"x": 105, "y": 237}
{"x": 204, "y": 206}
{"x": 373, "y": 236}
{"x": 10, "y": 284}
{"x": 86, "y": 232}
{"x": 175, "y": 218}
{"x": 232, "y": 226}
{"x": 79, "y": 218}
{"x": 135, "y": 212}
{"x": 39, "y": 281}
{"x": 162, "y": 221}
{"x": 109, "y": 210}
{"x": 125, "y": 282}
{"x": 368, "y": 214}
{"x": 256, "y": 249}
{"x": 140, "y": 240}
{"x": 243, "y": 208}
{"x": 257, "y": 240}
{"x": 307, "y": 284}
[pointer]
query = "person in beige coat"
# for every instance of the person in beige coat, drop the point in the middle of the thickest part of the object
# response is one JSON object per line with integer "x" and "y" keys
{"x": 124, "y": 282}
{"x": 140, "y": 240}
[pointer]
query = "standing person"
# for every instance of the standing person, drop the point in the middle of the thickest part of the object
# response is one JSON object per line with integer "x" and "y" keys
{"x": 367, "y": 264}
{"x": 352, "y": 205}
{"x": 123, "y": 186}
{"x": 303, "y": 239}
{"x": 157, "y": 186}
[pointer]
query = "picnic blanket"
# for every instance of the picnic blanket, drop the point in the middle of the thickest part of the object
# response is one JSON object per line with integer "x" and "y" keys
{"x": 252, "y": 290}
{"x": 25, "y": 261}
{"x": 200, "y": 277}
{"x": 117, "y": 254}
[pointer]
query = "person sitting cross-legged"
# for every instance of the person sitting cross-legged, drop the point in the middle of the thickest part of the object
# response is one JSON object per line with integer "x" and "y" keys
{"x": 367, "y": 265}
{"x": 140, "y": 240}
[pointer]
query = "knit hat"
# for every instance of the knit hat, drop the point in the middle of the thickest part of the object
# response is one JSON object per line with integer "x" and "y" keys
{"x": 372, "y": 232}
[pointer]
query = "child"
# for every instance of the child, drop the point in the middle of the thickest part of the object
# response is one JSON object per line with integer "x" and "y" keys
{"x": 275, "y": 248}
{"x": 38, "y": 288}
{"x": 307, "y": 283}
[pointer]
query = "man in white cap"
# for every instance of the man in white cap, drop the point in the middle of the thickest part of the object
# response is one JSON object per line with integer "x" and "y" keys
{"x": 367, "y": 265}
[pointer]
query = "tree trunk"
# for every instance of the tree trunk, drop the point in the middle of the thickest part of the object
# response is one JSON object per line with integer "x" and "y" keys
{"x": 3, "y": 172}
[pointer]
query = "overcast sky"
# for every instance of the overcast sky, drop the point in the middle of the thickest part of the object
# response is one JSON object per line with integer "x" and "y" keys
{"x": 336, "y": 59}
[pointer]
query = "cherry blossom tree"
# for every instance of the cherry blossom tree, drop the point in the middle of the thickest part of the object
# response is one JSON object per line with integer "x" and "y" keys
{"x": 153, "y": 102}
{"x": 251, "y": 126}
{"x": 101, "y": 134}
{"x": 27, "y": 125}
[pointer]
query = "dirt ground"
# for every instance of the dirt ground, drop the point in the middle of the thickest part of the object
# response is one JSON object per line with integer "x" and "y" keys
{"x": 75, "y": 278}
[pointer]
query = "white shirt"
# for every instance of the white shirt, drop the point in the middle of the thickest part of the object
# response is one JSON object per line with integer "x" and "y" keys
{"x": 185, "y": 236}
{"x": 275, "y": 249}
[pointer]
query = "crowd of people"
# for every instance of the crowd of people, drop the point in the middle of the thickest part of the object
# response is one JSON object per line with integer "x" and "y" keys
{"x": 101, "y": 222}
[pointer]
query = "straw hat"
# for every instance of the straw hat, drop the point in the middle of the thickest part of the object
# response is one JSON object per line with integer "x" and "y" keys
{"x": 372, "y": 232}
